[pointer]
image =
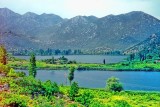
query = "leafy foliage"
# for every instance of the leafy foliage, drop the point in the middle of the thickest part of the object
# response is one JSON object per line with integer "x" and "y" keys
{"x": 13, "y": 100}
{"x": 85, "y": 99}
{"x": 50, "y": 88}
{"x": 32, "y": 66}
{"x": 27, "y": 91}
{"x": 73, "y": 90}
{"x": 12, "y": 73}
{"x": 3, "y": 55}
{"x": 113, "y": 84}
{"x": 4, "y": 69}
{"x": 121, "y": 103}
{"x": 71, "y": 74}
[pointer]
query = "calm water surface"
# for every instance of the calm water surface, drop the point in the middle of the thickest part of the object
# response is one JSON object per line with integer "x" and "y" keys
{"x": 83, "y": 58}
{"x": 146, "y": 81}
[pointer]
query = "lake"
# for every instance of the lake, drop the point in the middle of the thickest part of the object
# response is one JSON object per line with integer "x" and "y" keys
{"x": 83, "y": 58}
{"x": 146, "y": 81}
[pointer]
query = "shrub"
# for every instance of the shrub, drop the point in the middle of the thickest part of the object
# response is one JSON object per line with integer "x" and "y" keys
{"x": 21, "y": 74}
{"x": 15, "y": 101}
{"x": 113, "y": 84}
{"x": 42, "y": 101}
{"x": 85, "y": 99}
{"x": 12, "y": 73}
{"x": 50, "y": 88}
{"x": 73, "y": 90}
{"x": 4, "y": 69}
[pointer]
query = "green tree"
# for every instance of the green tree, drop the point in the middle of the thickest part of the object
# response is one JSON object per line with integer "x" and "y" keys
{"x": 3, "y": 55}
{"x": 71, "y": 74}
{"x": 104, "y": 61}
{"x": 73, "y": 90}
{"x": 113, "y": 84}
{"x": 32, "y": 65}
{"x": 53, "y": 60}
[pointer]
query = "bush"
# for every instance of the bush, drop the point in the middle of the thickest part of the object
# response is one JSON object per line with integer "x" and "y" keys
{"x": 50, "y": 88}
{"x": 42, "y": 101}
{"x": 21, "y": 74}
{"x": 29, "y": 84}
{"x": 15, "y": 101}
{"x": 113, "y": 84}
{"x": 4, "y": 69}
{"x": 12, "y": 73}
{"x": 85, "y": 99}
{"x": 73, "y": 90}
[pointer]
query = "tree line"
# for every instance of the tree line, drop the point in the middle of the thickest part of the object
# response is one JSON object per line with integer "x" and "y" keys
{"x": 48, "y": 52}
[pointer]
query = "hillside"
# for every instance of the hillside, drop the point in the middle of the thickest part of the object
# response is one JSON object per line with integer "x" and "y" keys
{"x": 150, "y": 45}
{"x": 80, "y": 32}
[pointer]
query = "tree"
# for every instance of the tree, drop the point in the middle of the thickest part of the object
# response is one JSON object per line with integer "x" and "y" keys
{"x": 113, "y": 84}
{"x": 53, "y": 60}
{"x": 131, "y": 57}
{"x": 104, "y": 61}
{"x": 32, "y": 66}
{"x": 73, "y": 90}
{"x": 3, "y": 55}
{"x": 71, "y": 74}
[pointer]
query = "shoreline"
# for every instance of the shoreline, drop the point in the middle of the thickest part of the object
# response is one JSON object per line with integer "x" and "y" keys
{"x": 95, "y": 69}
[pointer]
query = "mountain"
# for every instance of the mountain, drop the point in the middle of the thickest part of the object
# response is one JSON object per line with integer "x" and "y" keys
{"x": 16, "y": 41}
{"x": 81, "y": 32}
{"x": 149, "y": 45}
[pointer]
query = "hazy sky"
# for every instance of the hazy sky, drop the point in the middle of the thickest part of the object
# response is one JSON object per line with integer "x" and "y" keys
{"x": 71, "y": 8}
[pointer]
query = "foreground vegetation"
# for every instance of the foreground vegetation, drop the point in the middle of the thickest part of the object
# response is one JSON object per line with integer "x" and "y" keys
{"x": 26, "y": 91}
{"x": 19, "y": 90}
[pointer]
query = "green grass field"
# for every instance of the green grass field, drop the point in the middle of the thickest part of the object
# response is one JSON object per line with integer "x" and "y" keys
{"x": 122, "y": 66}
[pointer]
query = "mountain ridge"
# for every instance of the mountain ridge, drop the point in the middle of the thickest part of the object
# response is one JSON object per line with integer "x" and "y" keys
{"x": 80, "y": 32}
